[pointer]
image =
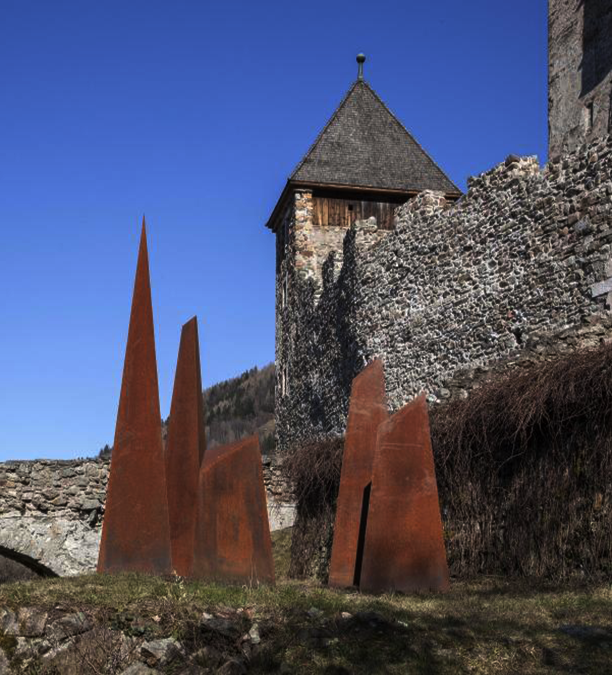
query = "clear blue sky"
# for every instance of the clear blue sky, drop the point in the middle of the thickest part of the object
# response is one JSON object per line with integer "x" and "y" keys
{"x": 195, "y": 113}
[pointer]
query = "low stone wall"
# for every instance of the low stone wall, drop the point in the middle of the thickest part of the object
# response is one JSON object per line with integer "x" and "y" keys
{"x": 51, "y": 511}
{"x": 520, "y": 264}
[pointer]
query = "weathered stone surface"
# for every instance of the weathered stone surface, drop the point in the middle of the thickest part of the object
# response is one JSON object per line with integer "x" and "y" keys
{"x": 26, "y": 622}
{"x": 580, "y": 72}
{"x": 31, "y": 621}
{"x": 367, "y": 410}
{"x": 28, "y": 648}
{"x": 4, "y": 664}
{"x": 61, "y": 657}
{"x": 280, "y": 514}
{"x": 220, "y": 624}
{"x": 69, "y": 625}
{"x": 233, "y": 536}
{"x": 601, "y": 287}
{"x": 404, "y": 544}
{"x": 161, "y": 652}
{"x": 194, "y": 669}
{"x": 232, "y": 667}
{"x": 185, "y": 448}
{"x": 135, "y": 531}
{"x": 8, "y": 622}
{"x": 139, "y": 669}
{"x": 30, "y": 481}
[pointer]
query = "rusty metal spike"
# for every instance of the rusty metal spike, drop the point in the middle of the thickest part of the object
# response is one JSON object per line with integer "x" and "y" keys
{"x": 367, "y": 410}
{"x": 233, "y": 541}
{"x": 404, "y": 544}
{"x": 185, "y": 448}
{"x": 135, "y": 531}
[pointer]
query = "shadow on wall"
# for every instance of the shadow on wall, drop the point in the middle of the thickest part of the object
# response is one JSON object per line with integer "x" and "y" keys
{"x": 596, "y": 42}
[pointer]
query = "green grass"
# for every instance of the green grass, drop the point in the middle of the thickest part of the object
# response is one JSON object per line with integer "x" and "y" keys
{"x": 489, "y": 625}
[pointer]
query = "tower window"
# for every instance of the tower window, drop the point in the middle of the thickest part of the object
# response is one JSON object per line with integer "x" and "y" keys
{"x": 284, "y": 383}
{"x": 284, "y": 290}
{"x": 589, "y": 116}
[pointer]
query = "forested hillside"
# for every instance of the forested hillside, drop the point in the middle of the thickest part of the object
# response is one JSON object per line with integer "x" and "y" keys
{"x": 241, "y": 406}
{"x": 237, "y": 408}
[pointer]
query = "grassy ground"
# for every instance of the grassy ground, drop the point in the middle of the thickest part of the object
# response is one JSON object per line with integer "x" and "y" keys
{"x": 485, "y": 626}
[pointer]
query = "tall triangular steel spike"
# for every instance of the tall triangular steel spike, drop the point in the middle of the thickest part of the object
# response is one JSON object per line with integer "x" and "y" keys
{"x": 367, "y": 411}
{"x": 135, "y": 531}
{"x": 185, "y": 448}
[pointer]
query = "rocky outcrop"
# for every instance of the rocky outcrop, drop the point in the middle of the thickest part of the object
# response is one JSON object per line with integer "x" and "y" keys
{"x": 34, "y": 639}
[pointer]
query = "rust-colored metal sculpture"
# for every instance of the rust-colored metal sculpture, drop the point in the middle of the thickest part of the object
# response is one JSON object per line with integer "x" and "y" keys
{"x": 404, "y": 545}
{"x": 232, "y": 534}
{"x": 367, "y": 410}
{"x": 135, "y": 531}
{"x": 185, "y": 448}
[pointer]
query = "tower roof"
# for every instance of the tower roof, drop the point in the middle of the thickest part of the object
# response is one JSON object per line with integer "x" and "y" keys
{"x": 365, "y": 145}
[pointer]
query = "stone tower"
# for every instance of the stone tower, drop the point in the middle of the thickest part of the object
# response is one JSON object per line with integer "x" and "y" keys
{"x": 579, "y": 72}
{"x": 362, "y": 165}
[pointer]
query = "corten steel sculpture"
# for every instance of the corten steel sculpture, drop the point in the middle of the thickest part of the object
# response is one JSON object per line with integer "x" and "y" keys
{"x": 232, "y": 534}
{"x": 404, "y": 546}
{"x": 185, "y": 448}
{"x": 367, "y": 410}
{"x": 135, "y": 531}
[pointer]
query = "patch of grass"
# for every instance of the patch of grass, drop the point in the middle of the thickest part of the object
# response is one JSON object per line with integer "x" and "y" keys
{"x": 489, "y": 625}
{"x": 281, "y": 550}
{"x": 8, "y": 644}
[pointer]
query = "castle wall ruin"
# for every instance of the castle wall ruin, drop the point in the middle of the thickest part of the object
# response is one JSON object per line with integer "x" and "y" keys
{"x": 518, "y": 270}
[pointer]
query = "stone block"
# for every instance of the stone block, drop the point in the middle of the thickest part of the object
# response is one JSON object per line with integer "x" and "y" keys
{"x": 601, "y": 288}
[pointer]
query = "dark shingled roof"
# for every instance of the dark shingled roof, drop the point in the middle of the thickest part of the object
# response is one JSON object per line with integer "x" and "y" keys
{"x": 365, "y": 145}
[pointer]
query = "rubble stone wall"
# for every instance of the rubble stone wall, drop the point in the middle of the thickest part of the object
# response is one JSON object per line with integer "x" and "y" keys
{"x": 518, "y": 269}
{"x": 51, "y": 511}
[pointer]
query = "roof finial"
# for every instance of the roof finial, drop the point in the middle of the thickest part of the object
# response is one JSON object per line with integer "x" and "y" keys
{"x": 360, "y": 61}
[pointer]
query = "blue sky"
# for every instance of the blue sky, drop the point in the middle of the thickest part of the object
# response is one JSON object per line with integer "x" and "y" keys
{"x": 194, "y": 113}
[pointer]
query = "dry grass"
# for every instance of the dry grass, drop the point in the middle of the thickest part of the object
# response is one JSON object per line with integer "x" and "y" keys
{"x": 490, "y": 625}
{"x": 313, "y": 471}
{"x": 523, "y": 469}
{"x": 485, "y": 626}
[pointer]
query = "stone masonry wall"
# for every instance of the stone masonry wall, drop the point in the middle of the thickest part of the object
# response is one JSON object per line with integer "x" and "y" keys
{"x": 580, "y": 72}
{"x": 308, "y": 260}
{"x": 516, "y": 270}
{"x": 51, "y": 510}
